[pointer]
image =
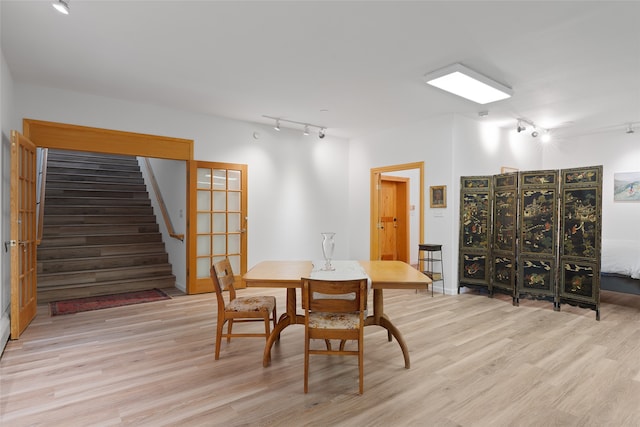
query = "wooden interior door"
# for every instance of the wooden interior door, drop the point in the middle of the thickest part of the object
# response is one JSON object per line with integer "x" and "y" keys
{"x": 23, "y": 233}
{"x": 394, "y": 218}
{"x": 219, "y": 212}
{"x": 375, "y": 235}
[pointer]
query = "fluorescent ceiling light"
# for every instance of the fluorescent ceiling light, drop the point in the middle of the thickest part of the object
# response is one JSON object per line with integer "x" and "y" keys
{"x": 468, "y": 84}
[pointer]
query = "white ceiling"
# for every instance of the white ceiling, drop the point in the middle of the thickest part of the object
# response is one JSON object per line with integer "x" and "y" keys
{"x": 573, "y": 65}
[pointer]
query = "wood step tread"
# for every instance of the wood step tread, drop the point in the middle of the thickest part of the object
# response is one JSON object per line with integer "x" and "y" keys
{"x": 101, "y": 275}
{"x": 73, "y": 265}
{"x": 81, "y": 290}
{"x": 87, "y": 251}
{"x": 96, "y": 201}
{"x": 98, "y": 219}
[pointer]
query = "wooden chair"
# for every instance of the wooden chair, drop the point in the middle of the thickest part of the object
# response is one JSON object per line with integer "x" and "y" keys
{"x": 334, "y": 310}
{"x": 239, "y": 309}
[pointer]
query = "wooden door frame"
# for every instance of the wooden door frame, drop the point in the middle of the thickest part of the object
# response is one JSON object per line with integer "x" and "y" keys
{"x": 82, "y": 138}
{"x": 374, "y": 246}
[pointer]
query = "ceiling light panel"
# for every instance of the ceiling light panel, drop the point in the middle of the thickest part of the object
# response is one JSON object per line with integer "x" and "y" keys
{"x": 466, "y": 83}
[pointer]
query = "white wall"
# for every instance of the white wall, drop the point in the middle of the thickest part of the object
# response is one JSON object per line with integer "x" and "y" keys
{"x": 451, "y": 147}
{"x": 171, "y": 176}
{"x": 6, "y": 103}
{"x": 297, "y": 184}
{"x": 616, "y": 151}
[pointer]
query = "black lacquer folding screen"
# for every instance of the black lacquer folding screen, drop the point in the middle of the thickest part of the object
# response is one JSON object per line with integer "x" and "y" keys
{"x": 537, "y": 248}
{"x": 533, "y": 234}
{"x": 505, "y": 233}
{"x": 581, "y": 220}
{"x": 475, "y": 227}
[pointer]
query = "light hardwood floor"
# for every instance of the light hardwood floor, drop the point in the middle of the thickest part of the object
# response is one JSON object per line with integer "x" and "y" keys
{"x": 475, "y": 361}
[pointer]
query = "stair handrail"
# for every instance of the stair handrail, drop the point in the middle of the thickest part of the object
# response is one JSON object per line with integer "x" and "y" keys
{"x": 163, "y": 207}
{"x": 41, "y": 183}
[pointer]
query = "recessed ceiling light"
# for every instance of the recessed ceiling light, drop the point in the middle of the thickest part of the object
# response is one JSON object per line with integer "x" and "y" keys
{"x": 469, "y": 84}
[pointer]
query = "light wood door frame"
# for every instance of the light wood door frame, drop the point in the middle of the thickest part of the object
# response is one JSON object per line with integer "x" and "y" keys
{"x": 375, "y": 177}
{"x": 24, "y": 278}
{"x": 82, "y": 138}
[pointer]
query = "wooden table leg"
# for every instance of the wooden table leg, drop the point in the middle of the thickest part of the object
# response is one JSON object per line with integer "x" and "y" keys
{"x": 289, "y": 318}
{"x": 380, "y": 319}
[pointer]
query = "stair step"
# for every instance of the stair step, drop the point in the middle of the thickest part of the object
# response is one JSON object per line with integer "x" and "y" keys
{"x": 55, "y": 253}
{"x": 100, "y": 263}
{"x": 98, "y": 219}
{"x": 63, "y": 292}
{"x": 94, "y": 172}
{"x": 55, "y": 184}
{"x": 89, "y": 165}
{"x": 125, "y": 193}
{"x": 84, "y": 156}
{"x": 102, "y": 239}
{"x": 54, "y": 176}
{"x": 102, "y": 275}
{"x": 96, "y": 210}
{"x": 94, "y": 229}
{"x": 106, "y": 201}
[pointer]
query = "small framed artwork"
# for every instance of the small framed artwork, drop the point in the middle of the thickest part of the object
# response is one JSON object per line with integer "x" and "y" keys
{"x": 626, "y": 187}
{"x": 438, "y": 196}
{"x": 506, "y": 169}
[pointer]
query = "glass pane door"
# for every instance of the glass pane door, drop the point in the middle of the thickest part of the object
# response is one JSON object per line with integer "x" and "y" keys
{"x": 220, "y": 218}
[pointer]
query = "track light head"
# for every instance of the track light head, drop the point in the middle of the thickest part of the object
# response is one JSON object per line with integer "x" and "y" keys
{"x": 277, "y": 126}
{"x": 521, "y": 127}
{"x": 61, "y": 6}
{"x": 321, "y": 133}
{"x": 535, "y": 134}
{"x": 630, "y": 129}
{"x": 306, "y": 130}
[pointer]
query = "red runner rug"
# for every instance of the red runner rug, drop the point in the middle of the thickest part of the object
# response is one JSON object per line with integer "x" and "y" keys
{"x": 106, "y": 301}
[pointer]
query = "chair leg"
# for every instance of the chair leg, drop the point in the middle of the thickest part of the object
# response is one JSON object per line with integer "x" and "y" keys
{"x": 218, "y": 338}
{"x": 361, "y": 362}
{"x": 229, "y": 326}
{"x": 267, "y": 328}
{"x": 306, "y": 363}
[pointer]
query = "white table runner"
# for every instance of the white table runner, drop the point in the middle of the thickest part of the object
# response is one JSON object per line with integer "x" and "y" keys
{"x": 342, "y": 270}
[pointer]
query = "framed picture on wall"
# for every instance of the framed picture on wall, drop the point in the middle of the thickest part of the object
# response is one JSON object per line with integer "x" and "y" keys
{"x": 507, "y": 169}
{"x": 626, "y": 187}
{"x": 438, "y": 196}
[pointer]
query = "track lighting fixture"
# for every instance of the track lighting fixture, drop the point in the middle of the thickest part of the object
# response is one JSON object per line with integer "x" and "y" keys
{"x": 61, "y": 6}
{"x": 537, "y": 130}
{"x": 306, "y": 126}
{"x": 630, "y": 128}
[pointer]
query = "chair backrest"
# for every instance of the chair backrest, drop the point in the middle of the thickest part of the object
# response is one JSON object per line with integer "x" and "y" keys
{"x": 222, "y": 277}
{"x": 334, "y": 296}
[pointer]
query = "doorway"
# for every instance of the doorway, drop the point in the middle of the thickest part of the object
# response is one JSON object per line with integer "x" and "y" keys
{"x": 81, "y": 138}
{"x": 397, "y": 206}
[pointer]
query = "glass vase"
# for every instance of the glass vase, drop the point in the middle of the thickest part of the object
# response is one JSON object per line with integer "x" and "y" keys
{"x": 328, "y": 244}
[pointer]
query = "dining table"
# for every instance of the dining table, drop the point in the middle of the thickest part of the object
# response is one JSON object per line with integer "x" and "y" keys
{"x": 384, "y": 274}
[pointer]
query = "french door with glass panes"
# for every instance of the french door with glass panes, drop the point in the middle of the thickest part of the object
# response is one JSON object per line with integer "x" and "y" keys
{"x": 219, "y": 212}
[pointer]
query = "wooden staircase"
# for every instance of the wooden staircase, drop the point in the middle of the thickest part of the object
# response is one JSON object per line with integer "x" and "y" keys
{"x": 100, "y": 235}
